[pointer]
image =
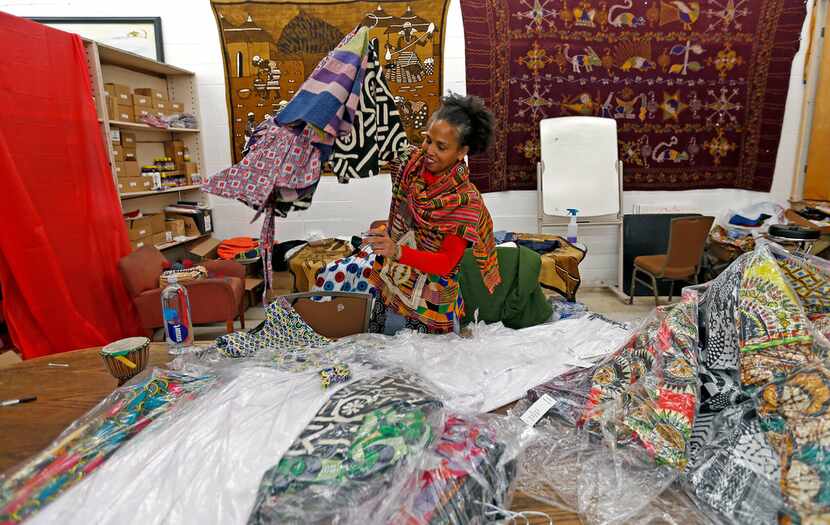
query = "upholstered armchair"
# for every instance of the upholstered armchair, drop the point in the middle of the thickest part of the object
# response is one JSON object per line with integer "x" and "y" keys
{"x": 215, "y": 299}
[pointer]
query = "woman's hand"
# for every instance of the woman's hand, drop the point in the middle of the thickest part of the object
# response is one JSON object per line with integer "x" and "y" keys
{"x": 381, "y": 243}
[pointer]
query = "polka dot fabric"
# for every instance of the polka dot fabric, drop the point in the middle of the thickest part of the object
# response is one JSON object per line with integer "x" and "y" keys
{"x": 350, "y": 274}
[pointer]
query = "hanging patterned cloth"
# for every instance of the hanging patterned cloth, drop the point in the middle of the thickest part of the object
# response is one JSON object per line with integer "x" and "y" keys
{"x": 378, "y": 135}
{"x": 282, "y": 167}
{"x": 344, "y": 113}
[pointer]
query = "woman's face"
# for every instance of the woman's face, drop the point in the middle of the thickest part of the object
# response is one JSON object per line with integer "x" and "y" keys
{"x": 442, "y": 147}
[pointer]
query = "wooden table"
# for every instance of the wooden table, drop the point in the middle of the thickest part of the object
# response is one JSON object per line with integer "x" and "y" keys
{"x": 66, "y": 393}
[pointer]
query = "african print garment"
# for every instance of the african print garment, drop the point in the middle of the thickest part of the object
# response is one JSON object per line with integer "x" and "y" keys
{"x": 645, "y": 394}
{"x": 350, "y": 274}
{"x": 378, "y": 135}
{"x": 464, "y": 474}
{"x": 285, "y": 337}
{"x": 355, "y": 447}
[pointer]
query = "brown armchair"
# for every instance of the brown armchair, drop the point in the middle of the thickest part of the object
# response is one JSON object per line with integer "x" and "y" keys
{"x": 687, "y": 238}
{"x": 212, "y": 300}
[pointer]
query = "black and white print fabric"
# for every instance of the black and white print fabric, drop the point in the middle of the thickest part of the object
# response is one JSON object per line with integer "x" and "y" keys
{"x": 378, "y": 134}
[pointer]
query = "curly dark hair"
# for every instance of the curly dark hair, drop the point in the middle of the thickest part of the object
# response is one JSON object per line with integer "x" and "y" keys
{"x": 470, "y": 117}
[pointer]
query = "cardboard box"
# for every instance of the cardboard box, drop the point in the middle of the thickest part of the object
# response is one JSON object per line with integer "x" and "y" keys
{"x": 121, "y": 93}
{"x": 134, "y": 185}
{"x": 129, "y": 168}
{"x": 138, "y": 228}
{"x": 142, "y": 101}
{"x": 118, "y": 168}
{"x": 129, "y": 152}
{"x": 141, "y": 242}
{"x": 162, "y": 104}
{"x": 140, "y": 111}
{"x": 206, "y": 249}
{"x": 162, "y": 238}
{"x": 152, "y": 93}
{"x": 115, "y": 136}
{"x": 156, "y": 221}
{"x": 175, "y": 227}
{"x": 128, "y": 139}
{"x": 203, "y": 218}
{"x": 191, "y": 172}
{"x": 118, "y": 153}
{"x": 190, "y": 228}
{"x": 109, "y": 89}
{"x": 124, "y": 114}
{"x": 175, "y": 150}
{"x": 176, "y": 107}
{"x": 109, "y": 102}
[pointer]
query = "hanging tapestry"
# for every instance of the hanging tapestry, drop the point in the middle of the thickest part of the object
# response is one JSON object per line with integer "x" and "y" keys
{"x": 271, "y": 47}
{"x": 697, "y": 89}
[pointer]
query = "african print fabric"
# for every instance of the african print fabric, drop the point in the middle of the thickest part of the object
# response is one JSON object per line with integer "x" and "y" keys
{"x": 696, "y": 88}
{"x": 643, "y": 395}
{"x": 350, "y": 274}
{"x": 420, "y": 216}
{"x": 270, "y": 47}
{"x": 464, "y": 474}
{"x": 92, "y": 440}
{"x": 377, "y": 136}
{"x": 285, "y": 336}
{"x": 356, "y": 445}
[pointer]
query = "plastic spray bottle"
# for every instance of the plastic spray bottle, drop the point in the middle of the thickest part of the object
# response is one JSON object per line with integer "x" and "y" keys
{"x": 572, "y": 226}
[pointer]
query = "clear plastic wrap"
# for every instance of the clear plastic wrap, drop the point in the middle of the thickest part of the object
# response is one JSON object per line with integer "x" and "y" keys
{"x": 362, "y": 444}
{"x": 645, "y": 394}
{"x": 203, "y": 464}
{"x": 87, "y": 445}
{"x": 466, "y": 476}
{"x": 496, "y": 365}
{"x": 616, "y": 435}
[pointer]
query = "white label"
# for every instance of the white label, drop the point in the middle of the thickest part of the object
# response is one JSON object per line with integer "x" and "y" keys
{"x": 208, "y": 226}
{"x": 538, "y": 409}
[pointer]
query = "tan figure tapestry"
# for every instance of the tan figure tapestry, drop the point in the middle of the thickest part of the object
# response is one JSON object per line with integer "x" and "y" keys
{"x": 270, "y": 47}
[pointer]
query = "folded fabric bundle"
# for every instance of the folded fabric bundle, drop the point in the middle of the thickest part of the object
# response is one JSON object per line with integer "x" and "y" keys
{"x": 360, "y": 442}
{"x": 233, "y": 247}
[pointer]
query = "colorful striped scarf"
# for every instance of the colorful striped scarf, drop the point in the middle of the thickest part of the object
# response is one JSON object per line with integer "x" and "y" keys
{"x": 450, "y": 206}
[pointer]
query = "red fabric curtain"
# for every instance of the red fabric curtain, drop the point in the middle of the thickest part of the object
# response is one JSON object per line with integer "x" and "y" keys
{"x": 62, "y": 231}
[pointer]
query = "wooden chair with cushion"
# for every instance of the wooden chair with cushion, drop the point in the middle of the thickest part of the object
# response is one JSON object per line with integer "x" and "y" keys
{"x": 215, "y": 299}
{"x": 687, "y": 238}
{"x": 347, "y": 313}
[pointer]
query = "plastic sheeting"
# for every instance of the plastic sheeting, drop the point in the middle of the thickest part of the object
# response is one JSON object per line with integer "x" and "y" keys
{"x": 205, "y": 464}
{"x": 724, "y": 395}
{"x": 496, "y": 365}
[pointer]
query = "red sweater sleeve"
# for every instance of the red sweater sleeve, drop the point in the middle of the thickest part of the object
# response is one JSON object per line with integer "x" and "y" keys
{"x": 437, "y": 263}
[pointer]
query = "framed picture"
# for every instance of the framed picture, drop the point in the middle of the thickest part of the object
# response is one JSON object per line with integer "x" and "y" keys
{"x": 141, "y": 36}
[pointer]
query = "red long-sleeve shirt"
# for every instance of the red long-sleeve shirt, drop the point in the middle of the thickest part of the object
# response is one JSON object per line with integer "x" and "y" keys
{"x": 442, "y": 261}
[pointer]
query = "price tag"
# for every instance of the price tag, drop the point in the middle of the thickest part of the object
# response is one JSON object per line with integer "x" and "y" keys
{"x": 538, "y": 409}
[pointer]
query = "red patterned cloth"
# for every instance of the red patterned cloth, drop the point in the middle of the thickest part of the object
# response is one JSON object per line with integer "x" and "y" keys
{"x": 697, "y": 88}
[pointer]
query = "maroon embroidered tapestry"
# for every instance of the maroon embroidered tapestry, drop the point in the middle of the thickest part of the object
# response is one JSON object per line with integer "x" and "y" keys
{"x": 697, "y": 88}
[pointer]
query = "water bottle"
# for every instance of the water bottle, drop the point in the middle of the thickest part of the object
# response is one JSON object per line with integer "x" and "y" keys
{"x": 175, "y": 308}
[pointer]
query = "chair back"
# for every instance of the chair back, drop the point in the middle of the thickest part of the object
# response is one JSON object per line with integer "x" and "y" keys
{"x": 141, "y": 269}
{"x": 687, "y": 239}
{"x": 344, "y": 314}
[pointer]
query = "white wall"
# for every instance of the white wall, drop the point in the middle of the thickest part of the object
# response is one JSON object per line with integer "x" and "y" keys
{"x": 191, "y": 41}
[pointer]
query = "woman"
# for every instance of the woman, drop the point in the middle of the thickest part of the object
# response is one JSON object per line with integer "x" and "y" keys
{"x": 436, "y": 213}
